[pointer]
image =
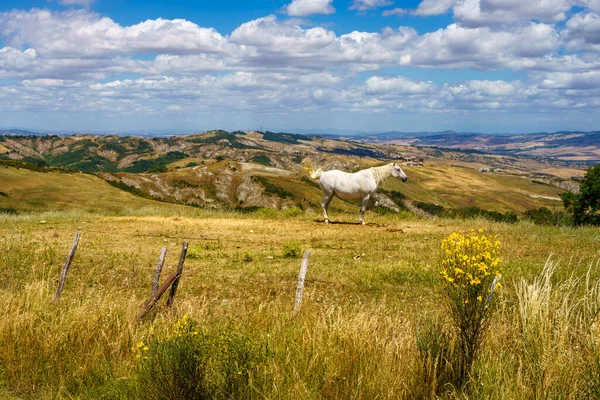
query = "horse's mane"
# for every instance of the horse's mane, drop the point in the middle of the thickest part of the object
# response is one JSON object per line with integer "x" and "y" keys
{"x": 382, "y": 173}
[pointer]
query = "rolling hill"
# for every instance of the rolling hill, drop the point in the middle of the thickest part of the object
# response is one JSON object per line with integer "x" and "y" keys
{"x": 246, "y": 170}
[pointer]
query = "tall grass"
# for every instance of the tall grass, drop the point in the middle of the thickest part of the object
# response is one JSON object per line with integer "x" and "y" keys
{"x": 370, "y": 326}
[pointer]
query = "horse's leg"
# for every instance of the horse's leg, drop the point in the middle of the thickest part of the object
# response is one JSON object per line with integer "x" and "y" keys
{"x": 365, "y": 202}
{"x": 325, "y": 204}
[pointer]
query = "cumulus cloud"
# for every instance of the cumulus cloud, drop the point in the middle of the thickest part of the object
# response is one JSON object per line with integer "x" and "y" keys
{"x": 303, "y": 8}
{"x": 433, "y": 7}
{"x": 81, "y": 34}
{"x": 583, "y": 32}
{"x": 77, "y": 60}
{"x": 483, "y": 48}
{"x": 510, "y": 12}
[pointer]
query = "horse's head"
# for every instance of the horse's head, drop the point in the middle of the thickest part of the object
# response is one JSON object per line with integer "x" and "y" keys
{"x": 398, "y": 173}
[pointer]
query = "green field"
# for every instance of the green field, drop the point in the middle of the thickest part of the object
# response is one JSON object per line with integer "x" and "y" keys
{"x": 369, "y": 292}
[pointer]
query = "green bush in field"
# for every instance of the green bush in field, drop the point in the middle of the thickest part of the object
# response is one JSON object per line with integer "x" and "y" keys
{"x": 291, "y": 249}
{"x": 191, "y": 363}
{"x": 292, "y": 212}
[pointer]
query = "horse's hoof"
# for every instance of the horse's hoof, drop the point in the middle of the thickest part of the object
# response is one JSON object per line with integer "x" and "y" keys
{"x": 326, "y": 221}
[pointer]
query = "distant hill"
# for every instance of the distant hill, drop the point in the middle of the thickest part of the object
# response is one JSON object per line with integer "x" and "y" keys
{"x": 564, "y": 146}
{"x": 17, "y": 132}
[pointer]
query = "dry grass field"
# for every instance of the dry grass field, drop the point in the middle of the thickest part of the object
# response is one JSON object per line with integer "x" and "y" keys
{"x": 370, "y": 291}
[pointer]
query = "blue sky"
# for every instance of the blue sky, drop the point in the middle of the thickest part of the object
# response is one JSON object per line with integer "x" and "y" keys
{"x": 357, "y": 65}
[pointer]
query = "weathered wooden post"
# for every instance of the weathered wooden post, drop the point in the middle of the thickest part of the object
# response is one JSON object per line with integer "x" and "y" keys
{"x": 65, "y": 268}
{"x": 300, "y": 286}
{"x": 158, "y": 270}
{"x": 156, "y": 296}
{"x": 179, "y": 271}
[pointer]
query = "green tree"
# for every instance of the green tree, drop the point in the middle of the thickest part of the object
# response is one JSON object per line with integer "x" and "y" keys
{"x": 585, "y": 206}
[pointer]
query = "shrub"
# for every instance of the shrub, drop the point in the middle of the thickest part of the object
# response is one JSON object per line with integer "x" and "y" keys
{"x": 291, "y": 249}
{"x": 292, "y": 212}
{"x": 470, "y": 272}
{"x": 261, "y": 159}
{"x": 158, "y": 168}
{"x": 189, "y": 363}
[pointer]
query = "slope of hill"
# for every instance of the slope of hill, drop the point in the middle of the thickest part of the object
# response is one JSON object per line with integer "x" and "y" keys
{"x": 24, "y": 190}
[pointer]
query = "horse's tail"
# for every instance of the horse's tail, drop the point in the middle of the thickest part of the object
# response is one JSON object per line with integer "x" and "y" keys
{"x": 309, "y": 168}
{"x": 316, "y": 174}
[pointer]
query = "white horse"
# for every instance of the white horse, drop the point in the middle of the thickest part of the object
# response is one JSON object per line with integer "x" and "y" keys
{"x": 361, "y": 184}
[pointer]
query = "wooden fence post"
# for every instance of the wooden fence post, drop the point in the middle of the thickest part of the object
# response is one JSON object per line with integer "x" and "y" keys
{"x": 156, "y": 296}
{"x": 179, "y": 271}
{"x": 158, "y": 270}
{"x": 65, "y": 268}
{"x": 300, "y": 286}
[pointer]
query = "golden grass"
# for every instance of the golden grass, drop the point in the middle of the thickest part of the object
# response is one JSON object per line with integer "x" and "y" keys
{"x": 366, "y": 285}
{"x": 37, "y": 191}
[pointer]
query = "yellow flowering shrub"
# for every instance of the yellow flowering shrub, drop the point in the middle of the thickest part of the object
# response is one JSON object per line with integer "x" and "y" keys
{"x": 470, "y": 273}
{"x": 470, "y": 264}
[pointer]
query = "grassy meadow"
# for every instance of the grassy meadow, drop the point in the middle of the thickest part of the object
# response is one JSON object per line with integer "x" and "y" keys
{"x": 371, "y": 326}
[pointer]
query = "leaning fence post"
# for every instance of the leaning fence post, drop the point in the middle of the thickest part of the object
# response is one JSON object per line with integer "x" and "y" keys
{"x": 156, "y": 296}
{"x": 179, "y": 270}
{"x": 158, "y": 270}
{"x": 65, "y": 268}
{"x": 300, "y": 286}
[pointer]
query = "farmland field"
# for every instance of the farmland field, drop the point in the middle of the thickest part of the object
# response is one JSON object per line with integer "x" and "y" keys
{"x": 368, "y": 290}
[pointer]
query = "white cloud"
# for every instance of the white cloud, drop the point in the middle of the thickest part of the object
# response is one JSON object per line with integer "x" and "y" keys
{"x": 585, "y": 81}
{"x": 76, "y": 61}
{"x": 397, "y": 86}
{"x": 433, "y": 7}
{"x": 363, "y": 5}
{"x": 583, "y": 32}
{"x": 303, "y": 8}
{"x": 509, "y": 12}
{"x": 395, "y": 11}
{"x": 82, "y": 34}
{"x": 482, "y": 48}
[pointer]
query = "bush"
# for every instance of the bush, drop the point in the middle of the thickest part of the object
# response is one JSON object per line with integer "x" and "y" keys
{"x": 158, "y": 168}
{"x": 292, "y": 212}
{"x": 470, "y": 275}
{"x": 543, "y": 216}
{"x": 189, "y": 363}
{"x": 261, "y": 159}
{"x": 291, "y": 249}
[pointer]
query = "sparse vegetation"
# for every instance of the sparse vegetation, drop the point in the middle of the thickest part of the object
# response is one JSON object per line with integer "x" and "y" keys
{"x": 271, "y": 189}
